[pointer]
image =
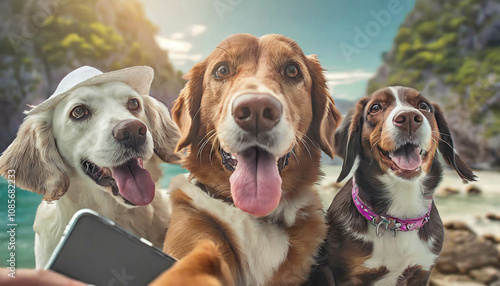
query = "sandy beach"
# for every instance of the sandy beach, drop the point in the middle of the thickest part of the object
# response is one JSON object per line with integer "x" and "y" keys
{"x": 469, "y": 208}
{"x": 471, "y": 251}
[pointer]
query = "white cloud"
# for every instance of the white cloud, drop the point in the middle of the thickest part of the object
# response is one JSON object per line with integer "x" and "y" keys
{"x": 178, "y": 51}
{"x": 177, "y": 36}
{"x": 178, "y": 47}
{"x": 173, "y": 45}
{"x": 197, "y": 30}
{"x": 346, "y": 77}
{"x": 184, "y": 56}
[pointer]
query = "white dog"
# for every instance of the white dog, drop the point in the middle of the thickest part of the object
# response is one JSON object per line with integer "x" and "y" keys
{"x": 95, "y": 143}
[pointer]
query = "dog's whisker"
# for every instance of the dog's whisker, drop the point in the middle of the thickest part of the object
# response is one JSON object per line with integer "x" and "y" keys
{"x": 200, "y": 151}
{"x": 211, "y": 150}
{"x": 196, "y": 114}
{"x": 305, "y": 146}
{"x": 303, "y": 141}
{"x": 375, "y": 143}
{"x": 313, "y": 143}
{"x": 208, "y": 133}
{"x": 441, "y": 140}
{"x": 440, "y": 133}
{"x": 296, "y": 159}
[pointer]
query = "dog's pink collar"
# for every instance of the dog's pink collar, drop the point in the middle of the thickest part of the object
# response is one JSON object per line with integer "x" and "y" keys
{"x": 387, "y": 221}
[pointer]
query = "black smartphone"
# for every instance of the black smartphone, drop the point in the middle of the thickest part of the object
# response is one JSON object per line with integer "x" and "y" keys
{"x": 94, "y": 250}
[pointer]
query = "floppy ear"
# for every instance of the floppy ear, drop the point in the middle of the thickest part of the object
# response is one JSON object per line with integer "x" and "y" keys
{"x": 348, "y": 138}
{"x": 447, "y": 150}
{"x": 165, "y": 132}
{"x": 187, "y": 105}
{"x": 34, "y": 160}
{"x": 326, "y": 117}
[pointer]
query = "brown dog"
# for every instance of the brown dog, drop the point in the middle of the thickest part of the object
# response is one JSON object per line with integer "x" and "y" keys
{"x": 250, "y": 211}
{"x": 384, "y": 228}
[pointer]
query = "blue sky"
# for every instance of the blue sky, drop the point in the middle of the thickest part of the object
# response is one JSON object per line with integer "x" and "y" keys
{"x": 349, "y": 37}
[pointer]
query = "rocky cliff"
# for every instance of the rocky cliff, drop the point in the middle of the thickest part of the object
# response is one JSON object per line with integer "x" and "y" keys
{"x": 41, "y": 41}
{"x": 450, "y": 50}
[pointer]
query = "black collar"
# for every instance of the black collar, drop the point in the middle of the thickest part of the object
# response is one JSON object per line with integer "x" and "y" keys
{"x": 230, "y": 161}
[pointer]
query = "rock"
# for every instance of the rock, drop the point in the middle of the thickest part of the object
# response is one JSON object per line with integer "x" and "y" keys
{"x": 492, "y": 216}
{"x": 492, "y": 238}
{"x": 446, "y": 191}
{"x": 486, "y": 274}
{"x": 28, "y": 75}
{"x": 439, "y": 279}
{"x": 456, "y": 225}
{"x": 490, "y": 33}
{"x": 466, "y": 103}
{"x": 463, "y": 251}
{"x": 473, "y": 190}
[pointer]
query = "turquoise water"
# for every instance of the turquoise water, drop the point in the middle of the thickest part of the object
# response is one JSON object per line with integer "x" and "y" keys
{"x": 468, "y": 208}
{"x": 26, "y": 205}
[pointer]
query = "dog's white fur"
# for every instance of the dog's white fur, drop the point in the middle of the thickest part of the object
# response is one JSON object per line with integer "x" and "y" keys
{"x": 406, "y": 249}
{"x": 50, "y": 147}
{"x": 264, "y": 244}
{"x": 397, "y": 253}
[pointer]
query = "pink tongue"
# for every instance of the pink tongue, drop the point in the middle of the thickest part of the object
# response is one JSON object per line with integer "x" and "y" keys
{"x": 134, "y": 183}
{"x": 256, "y": 183}
{"x": 407, "y": 158}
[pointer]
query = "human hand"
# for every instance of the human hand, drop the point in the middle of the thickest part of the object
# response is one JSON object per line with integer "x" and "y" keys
{"x": 36, "y": 277}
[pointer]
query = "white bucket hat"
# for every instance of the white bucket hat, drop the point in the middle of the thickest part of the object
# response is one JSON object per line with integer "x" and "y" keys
{"x": 139, "y": 78}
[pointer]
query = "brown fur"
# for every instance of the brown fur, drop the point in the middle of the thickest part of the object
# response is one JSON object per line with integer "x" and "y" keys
{"x": 202, "y": 266}
{"x": 361, "y": 136}
{"x": 199, "y": 111}
{"x": 202, "y": 227}
{"x": 305, "y": 235}
{"x": 380, "y": 137}
{"x": 413, "y": 276}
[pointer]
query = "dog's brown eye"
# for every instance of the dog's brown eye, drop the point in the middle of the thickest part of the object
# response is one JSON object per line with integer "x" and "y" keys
{"x": 291, "y": 71}
{"x": 79, "y": 112}
{"x": 424, "y": 106}
{"x": 221, "y": 72}
{"x": 374, "y": 109}
{"x": 133, "y": 104}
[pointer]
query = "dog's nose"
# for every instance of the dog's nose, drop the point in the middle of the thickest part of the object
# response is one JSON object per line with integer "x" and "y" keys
{"x": 409, "y": 121}
{"x": 131, "y": 133}
{"x": 257, "y": 112}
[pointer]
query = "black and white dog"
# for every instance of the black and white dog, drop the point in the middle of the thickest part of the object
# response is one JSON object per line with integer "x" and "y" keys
{"x": 384, "y": 228}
